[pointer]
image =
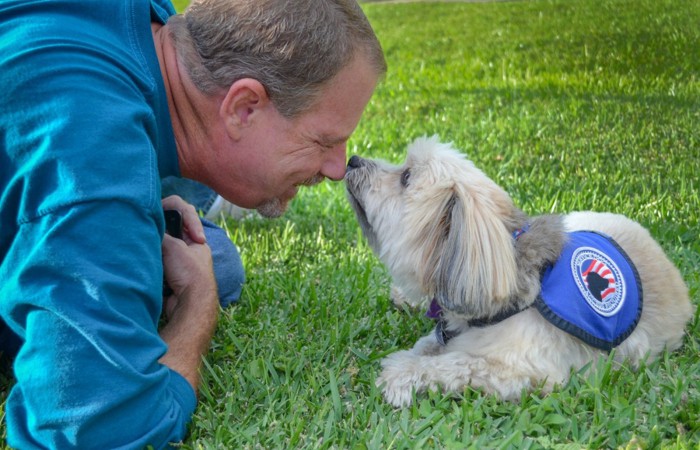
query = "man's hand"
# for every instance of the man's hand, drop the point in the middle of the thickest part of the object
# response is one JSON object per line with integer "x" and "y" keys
{"x": 192, "y": 226}
{"x": 192, "y": 309}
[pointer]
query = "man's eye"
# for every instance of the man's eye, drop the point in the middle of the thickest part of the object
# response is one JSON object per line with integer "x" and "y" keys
{"x": 405, "y": 176}
{"x": 326, "y": 146}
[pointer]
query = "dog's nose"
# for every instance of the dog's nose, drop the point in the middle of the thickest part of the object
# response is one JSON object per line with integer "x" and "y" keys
{"x": 355, "y": 162}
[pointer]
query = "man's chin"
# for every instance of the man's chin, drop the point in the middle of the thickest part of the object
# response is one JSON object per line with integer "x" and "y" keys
{"x": 276, "y": 207}
{"x": 272, "y": 209}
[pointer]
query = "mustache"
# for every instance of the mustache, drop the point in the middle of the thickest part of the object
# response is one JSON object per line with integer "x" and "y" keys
{"x": 316, "y": 179}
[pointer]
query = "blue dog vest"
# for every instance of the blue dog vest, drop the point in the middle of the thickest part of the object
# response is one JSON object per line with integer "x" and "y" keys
{"x": 593, "y": 291}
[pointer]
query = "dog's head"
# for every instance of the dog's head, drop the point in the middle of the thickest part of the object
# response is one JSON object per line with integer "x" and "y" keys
{"x": 440, "y": 225}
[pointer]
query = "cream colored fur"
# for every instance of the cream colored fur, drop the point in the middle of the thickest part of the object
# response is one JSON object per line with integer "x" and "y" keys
{"x": 444, "y": 230}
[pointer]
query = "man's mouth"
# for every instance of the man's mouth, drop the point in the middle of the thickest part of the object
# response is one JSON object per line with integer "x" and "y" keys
{"x": 316, "y": 179}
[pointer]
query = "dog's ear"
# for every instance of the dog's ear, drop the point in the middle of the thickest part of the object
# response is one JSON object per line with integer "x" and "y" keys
{"x": 474, "y": 260}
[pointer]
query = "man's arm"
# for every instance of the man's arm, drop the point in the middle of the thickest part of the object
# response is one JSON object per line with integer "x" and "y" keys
{"x": 193, "y": 307}
{"x": 86, "y": 296}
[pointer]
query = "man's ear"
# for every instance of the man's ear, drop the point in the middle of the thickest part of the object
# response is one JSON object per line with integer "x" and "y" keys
{"x": 245, "y": 98}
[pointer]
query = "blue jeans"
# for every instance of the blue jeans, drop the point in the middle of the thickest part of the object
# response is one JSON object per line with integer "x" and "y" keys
{"x": 228, "y": 267}
{"x": 194, "y": 193}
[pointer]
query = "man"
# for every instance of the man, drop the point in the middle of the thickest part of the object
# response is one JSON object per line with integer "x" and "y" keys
{"x": 99, "y": 101}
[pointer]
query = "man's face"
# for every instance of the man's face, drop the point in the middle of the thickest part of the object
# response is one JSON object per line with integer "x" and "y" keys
{"x": 279, "y": 155}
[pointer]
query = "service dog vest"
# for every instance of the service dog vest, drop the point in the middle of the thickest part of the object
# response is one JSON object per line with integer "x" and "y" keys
{"x": 593, "y": 291}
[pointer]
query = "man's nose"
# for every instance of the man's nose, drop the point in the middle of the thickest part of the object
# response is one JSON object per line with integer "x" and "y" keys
{"x": 334, "y": 166}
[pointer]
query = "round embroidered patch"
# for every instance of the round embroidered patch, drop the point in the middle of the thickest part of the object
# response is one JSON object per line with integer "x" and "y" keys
{"x": 599, "y": 279}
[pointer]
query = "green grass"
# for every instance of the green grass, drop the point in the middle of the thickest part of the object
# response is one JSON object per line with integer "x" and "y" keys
{"x": 569, "y": 105}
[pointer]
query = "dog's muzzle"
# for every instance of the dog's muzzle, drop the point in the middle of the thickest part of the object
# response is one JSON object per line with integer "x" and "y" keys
{"x": 355, "y": 162}
{"x": 357, "y": 181}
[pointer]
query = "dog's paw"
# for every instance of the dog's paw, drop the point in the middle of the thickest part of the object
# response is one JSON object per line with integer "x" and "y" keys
{"x": 403, "y": 301}
{"x": 397, "y": 297}
{"x": 427, "y": 346}
{"x": 399, "y": 378}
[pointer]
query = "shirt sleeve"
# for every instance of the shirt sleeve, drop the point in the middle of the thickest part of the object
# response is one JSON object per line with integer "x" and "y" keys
{"x": 86, "y": 286}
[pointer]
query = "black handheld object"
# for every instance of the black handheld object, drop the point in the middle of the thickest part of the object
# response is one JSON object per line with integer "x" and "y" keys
{"x": 173, "y": 223}
{"x": 173, "y": 226}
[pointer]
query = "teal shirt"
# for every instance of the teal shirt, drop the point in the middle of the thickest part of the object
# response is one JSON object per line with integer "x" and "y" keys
{"x": 85, "y": 136}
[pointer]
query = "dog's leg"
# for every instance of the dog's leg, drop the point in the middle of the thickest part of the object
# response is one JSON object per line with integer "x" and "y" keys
{"x": 407, "y": 371}
{"x": 397, "y": 297}
{"x": 427, "y": 346}
{"x": 400, "y": 299}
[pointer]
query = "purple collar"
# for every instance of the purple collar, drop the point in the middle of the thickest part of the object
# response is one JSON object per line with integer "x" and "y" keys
{"x": 434, "y": 311}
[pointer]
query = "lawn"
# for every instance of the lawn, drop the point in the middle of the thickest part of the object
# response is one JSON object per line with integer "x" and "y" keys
{"x": 568, "y": 104}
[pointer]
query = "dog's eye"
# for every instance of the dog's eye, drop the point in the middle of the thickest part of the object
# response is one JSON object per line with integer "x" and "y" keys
{"x": 405, "y": 175}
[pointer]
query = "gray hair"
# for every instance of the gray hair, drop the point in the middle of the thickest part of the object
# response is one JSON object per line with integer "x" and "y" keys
{"x": 292, "y": 47}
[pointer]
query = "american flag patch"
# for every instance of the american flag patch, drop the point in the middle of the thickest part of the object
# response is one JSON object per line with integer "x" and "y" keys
{"x": 599, "y": 279}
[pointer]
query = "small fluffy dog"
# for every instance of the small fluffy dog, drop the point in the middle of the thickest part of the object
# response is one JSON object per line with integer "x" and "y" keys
{"x": 519, "y": 301}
